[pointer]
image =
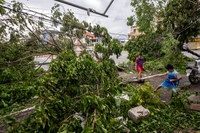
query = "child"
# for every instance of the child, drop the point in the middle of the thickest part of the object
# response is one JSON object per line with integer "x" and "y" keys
{"x": 139, "y": 65}
{"x": 172, "y": 80}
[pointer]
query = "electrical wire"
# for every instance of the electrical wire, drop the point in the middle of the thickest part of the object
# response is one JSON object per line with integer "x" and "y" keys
{"x": 42, "y": 9}
{"x": 45, "y": 18}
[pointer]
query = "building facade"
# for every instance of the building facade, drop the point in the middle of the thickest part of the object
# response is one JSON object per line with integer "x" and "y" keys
{"x": 134, "y": 32}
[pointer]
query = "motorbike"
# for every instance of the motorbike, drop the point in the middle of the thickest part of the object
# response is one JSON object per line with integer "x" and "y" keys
{"x": 193, "y": 72}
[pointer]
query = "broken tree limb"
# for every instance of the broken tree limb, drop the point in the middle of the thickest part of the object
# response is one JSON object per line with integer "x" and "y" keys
{"x": 142, "y": 79}
{"x": 152, "y": 76}
{"x": 18, "y": 112}
{"x": 120, "y": 68}
{"x": 191, "y": 52}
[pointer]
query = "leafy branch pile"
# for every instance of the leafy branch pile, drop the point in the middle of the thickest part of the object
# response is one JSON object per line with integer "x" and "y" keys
{"x": 76, "y": 85}
{"x": 16, "y": 82}
{"x": 78, "y": 92}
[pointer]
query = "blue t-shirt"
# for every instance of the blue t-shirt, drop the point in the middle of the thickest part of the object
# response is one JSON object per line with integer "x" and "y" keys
{"x": 172, "y": 85}
{"x": 172, "y": 75}
{"x": 139, "y": 62}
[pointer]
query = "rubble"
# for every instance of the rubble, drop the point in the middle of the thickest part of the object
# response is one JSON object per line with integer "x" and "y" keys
{"x": 138, "y": 113}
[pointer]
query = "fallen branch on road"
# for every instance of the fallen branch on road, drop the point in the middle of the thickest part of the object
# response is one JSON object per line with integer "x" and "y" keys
{"x": 136, "y": 80}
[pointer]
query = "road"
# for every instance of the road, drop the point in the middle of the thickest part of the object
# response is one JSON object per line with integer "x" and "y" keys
{"x": 124, "y": 55}
{"x": 190, "y": 55}
{"x": 121, "y": 59}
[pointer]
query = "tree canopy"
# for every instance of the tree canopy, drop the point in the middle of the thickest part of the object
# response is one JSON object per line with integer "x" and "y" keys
{"x": 79, "y": 92}
{"x": 181, "y": 18}
{"x": 157, "y": 19}
{"x": 145, "y": 14}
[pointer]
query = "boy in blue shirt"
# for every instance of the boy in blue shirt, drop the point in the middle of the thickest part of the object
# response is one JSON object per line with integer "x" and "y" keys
{"x": 172, "y": 80}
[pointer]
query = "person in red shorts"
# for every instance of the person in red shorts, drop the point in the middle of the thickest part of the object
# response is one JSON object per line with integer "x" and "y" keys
{"x": 139, "y": 65}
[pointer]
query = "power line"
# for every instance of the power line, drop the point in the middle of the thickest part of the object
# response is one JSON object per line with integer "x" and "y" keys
{"x": 48, "y": 19}
{"x": 88, "y": 9}
{"x": 80, "y": 14}
{"x": 42, "y": 9}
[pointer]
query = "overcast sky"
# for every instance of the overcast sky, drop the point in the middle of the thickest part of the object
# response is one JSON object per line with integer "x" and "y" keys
{"x": 117, "y": 13}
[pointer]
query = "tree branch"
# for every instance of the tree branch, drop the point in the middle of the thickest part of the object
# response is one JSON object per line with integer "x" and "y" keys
{"x": 55, "y": 43}
{"x": 11, "y": 62}
{"x": 191, "y": 52}
{"x": 94, "y": 121}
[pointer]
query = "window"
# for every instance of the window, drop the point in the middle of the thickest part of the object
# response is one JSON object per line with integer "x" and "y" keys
{"x": 134, "y": 30}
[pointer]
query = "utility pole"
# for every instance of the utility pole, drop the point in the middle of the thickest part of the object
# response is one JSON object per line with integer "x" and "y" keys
{"x": 87, "y": 9}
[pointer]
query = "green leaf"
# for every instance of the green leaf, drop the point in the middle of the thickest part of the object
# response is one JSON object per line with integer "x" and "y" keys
{"x": 9, "y": 120}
